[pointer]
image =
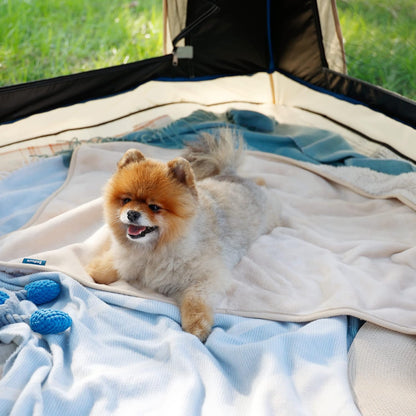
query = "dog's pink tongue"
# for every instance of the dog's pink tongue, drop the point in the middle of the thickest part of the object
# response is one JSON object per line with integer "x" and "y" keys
{"x": 135, "y": 230}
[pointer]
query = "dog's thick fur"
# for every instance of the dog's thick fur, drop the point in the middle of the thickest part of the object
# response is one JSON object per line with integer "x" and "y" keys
{"x": 180, "y": 227}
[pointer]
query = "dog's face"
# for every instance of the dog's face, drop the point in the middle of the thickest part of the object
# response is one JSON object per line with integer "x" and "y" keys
{"x": 149, "y": 202}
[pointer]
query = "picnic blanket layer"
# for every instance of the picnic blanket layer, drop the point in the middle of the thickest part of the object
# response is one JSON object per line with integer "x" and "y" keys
{"x": 341, "y": 249}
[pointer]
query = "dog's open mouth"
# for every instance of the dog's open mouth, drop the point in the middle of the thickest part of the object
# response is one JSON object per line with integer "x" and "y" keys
{"x": 138, "y": 231}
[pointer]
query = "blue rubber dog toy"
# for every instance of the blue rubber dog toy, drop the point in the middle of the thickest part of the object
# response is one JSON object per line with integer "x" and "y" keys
{"x": 43, "y": 321}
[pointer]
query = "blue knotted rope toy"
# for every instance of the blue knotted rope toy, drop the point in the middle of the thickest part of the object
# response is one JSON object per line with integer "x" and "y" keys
{"x": 43, "y": 321}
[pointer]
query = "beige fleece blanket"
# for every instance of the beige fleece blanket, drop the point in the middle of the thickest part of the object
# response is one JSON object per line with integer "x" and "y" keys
{"x": 346, "y": 245}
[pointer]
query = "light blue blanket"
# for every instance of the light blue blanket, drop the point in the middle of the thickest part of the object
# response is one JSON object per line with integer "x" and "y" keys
{"x": 125, "y": 355}
{"x": 26, "y": 189}
{"x": 128, "y": 356}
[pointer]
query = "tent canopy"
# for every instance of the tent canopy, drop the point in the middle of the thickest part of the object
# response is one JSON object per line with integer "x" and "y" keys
{"x": 298, "y": 38}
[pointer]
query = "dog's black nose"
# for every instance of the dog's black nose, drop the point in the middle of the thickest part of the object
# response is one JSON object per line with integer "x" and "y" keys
{"x": 132, "y": 215}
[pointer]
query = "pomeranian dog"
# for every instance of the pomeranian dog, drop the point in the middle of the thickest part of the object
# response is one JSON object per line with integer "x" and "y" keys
{"x": 179, "y": 227}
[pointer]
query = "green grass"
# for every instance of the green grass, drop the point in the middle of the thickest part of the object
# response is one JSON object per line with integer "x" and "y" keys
{"x": 380, "y": 42}
{"x": 46, "y": 38}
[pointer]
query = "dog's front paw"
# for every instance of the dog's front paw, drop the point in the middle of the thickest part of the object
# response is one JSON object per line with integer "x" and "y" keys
{"x": 101, "y": 270}
{"x": 197, "y": 317}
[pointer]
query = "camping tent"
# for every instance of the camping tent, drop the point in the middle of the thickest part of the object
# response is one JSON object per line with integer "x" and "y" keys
{"x": 284, "y": 41}
{"x": 341, "y": 153}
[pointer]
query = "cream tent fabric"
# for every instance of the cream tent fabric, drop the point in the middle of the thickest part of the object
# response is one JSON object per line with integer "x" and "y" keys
{"x": 274, "y": 95}
{"x": 382, "y": 372}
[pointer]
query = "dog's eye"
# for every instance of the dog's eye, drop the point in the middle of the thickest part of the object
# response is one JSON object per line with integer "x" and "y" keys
{"x": 154, "y": 208}
{"x": 125, "y": 201}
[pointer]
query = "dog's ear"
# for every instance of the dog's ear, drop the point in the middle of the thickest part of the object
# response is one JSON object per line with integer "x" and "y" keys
{"x": 181, "y": 170}
{"x": 132, "y": 155}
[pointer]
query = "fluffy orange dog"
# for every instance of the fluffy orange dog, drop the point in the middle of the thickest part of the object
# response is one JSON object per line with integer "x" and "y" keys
{"x": 180, "y": 227}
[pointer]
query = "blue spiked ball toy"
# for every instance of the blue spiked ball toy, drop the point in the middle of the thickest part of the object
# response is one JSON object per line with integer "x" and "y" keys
{"x": 49, "y": 321}
{"x": 3, "y": 297}
{"x": 42, "y": 321}
{"x": 42, "y": 291}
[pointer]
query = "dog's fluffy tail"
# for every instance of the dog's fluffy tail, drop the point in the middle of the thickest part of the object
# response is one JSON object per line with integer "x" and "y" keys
{"x": 215, "y": 155}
